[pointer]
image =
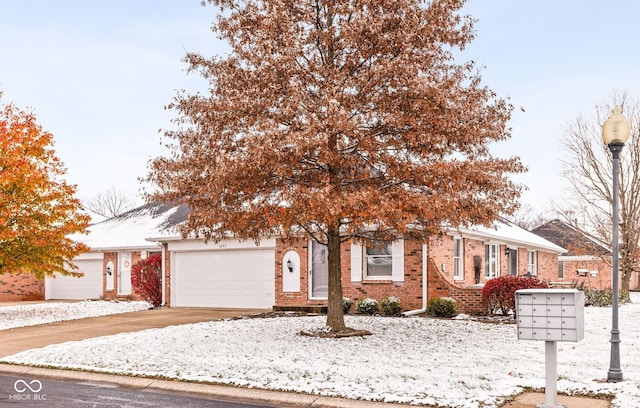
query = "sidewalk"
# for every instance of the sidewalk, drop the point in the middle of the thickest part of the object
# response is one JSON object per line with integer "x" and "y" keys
{"x": 532, "y": 399}
{"x": 24, "y": 338}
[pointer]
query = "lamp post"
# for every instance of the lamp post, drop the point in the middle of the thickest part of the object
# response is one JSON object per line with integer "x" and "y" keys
{"x": 615, "y": 133}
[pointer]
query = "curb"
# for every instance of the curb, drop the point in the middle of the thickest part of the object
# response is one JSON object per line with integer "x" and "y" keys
{"x": 219, "y": 392}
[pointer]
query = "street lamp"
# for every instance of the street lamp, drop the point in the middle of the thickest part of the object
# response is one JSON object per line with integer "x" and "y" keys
{"x": 615, "y": 133}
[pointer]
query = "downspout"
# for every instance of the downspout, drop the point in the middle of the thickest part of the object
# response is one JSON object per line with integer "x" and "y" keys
{"x": 425, "y": 257}
{"x": 164, "y": 277}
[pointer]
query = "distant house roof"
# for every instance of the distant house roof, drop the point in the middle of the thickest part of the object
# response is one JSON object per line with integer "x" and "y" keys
{"x": 509, "y": 233}
{"x": 576, "y": 242}
{"x": 131, "y": 229}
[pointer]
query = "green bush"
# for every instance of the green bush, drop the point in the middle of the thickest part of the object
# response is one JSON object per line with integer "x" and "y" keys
{"x": 367, "y": 306}
{"x": 442, "y": 307}
{"x": 346, "y": 305}
{"x": 391, "y": 305}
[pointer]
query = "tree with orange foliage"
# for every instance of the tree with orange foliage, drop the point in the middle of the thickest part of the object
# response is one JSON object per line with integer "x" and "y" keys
{"x": 340, "y": 120}
{"x": 38, "y": 211}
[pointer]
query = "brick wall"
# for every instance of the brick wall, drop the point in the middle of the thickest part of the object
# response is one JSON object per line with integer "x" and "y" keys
{"x": 19, "y": 287}
{"x": 409, "y": 291}
{"x": 301, "y": 246}
{"x": 113, "y": 257}
{"x": 441, "y": 251}
{"x": 468, "y": 300}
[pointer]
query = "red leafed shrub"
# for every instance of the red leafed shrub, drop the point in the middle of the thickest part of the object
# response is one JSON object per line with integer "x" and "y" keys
{"x": 500, "y": 293}
{"x": 146, "y": 279}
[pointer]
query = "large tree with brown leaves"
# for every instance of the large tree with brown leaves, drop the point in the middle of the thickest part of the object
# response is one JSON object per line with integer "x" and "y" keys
{"x": 343, "y": 119}
{"x": 38, "y": 210}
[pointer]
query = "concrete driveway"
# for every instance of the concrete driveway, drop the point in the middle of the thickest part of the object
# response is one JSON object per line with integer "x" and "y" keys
{"x": 25, "y": 338}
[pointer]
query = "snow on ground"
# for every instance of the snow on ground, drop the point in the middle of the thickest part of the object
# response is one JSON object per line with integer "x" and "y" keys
{"x": 451, "y": 363}
{"x": 41, "y": 313}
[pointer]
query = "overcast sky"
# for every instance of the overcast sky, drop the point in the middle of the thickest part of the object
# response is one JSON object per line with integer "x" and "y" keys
{"x": 99, "y": 73}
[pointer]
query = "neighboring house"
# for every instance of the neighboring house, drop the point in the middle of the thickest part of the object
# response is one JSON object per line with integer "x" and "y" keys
{"x": 286, "y": 274}
{"x": 20, "y": 287}
{"x": 586, "y": 261}
{"x": 116, "y": 244}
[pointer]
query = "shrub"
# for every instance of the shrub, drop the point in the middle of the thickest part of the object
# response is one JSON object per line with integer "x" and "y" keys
{"x": 391, "y": 305}
{"x": 601, "y": 297}
{"x": 499, "y": 294}
{"x": 442, "y": 307}
{"x": 367, "y": 306}
{"x": 146, "y": 279}
{"x": 346, "y": 305}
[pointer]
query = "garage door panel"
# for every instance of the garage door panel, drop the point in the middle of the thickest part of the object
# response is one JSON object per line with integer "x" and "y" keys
{"x": 233, "y": 278}
{"x": 68, "y": 287}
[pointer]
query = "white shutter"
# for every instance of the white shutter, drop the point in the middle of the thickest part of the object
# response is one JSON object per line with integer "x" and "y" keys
{"x": 356, "y": 262}
{"x": 397, "y": 261}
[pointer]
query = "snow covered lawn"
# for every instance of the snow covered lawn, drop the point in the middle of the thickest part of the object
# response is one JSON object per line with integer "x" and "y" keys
{"x": 451, "y": 363}
{"x": 41, "y": 313}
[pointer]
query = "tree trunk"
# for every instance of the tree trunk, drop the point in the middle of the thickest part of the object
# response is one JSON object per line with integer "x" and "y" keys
{"x": 335, "y": 315}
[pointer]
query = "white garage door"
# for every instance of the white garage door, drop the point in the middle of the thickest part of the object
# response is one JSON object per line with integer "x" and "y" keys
{"x": 87, "y": 287}
{"x": 233, "y": 278}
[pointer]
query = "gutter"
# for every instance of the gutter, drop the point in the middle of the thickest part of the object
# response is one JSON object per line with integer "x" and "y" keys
{"x": 425, "y": 257}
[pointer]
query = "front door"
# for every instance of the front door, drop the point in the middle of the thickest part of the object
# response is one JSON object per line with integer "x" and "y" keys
{"x": 124, "y": 274}
{"x": 319, "y": 273}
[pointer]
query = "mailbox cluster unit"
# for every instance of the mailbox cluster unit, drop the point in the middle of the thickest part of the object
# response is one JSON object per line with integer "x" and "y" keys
{"x": 550, "y": 315}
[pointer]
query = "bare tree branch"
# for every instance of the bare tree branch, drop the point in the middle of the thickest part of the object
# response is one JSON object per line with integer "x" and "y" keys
{"x": 590, "y": 171}
{"x": 110, "y": 203}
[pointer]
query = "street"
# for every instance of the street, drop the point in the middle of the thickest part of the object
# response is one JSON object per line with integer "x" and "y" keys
{"x": 26, "y": 392}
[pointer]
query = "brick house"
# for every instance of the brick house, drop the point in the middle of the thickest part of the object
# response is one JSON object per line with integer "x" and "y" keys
{"x": 455, "y": 265}
{"x": 284, "y": 274}
{"x": 116, "y": 245}
{"x": 585, "y": 262}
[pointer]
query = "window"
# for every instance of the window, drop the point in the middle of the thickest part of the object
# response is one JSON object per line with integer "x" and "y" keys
{"x": 378, "y": 260}
{"x": 512, "y": 261}
{"x": 457, "y": 259}
{"x": 560, "y": 269}
{"x": 532, "y": 263}
{"x": 491, "y": 260}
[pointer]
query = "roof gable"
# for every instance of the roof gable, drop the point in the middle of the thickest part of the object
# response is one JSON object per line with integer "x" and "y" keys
{"x": 131, "y": 229}
{"x": 576, "y": 242}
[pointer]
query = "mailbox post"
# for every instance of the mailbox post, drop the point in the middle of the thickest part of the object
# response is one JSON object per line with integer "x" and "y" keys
{"x": 551, "y": 315}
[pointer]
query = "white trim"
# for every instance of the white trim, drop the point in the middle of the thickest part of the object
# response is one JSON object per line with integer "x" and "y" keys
{"x": 397, "y": 260}
{"x": 574, "y": 258}
{"x": 532, "y": 267}
{"x": 487, "y": 260}
{"x": 459, "y": 260}
{"x": 224, "y": 245}
{"x": 356, "y": 262}
{"x": 88, "y": 256}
